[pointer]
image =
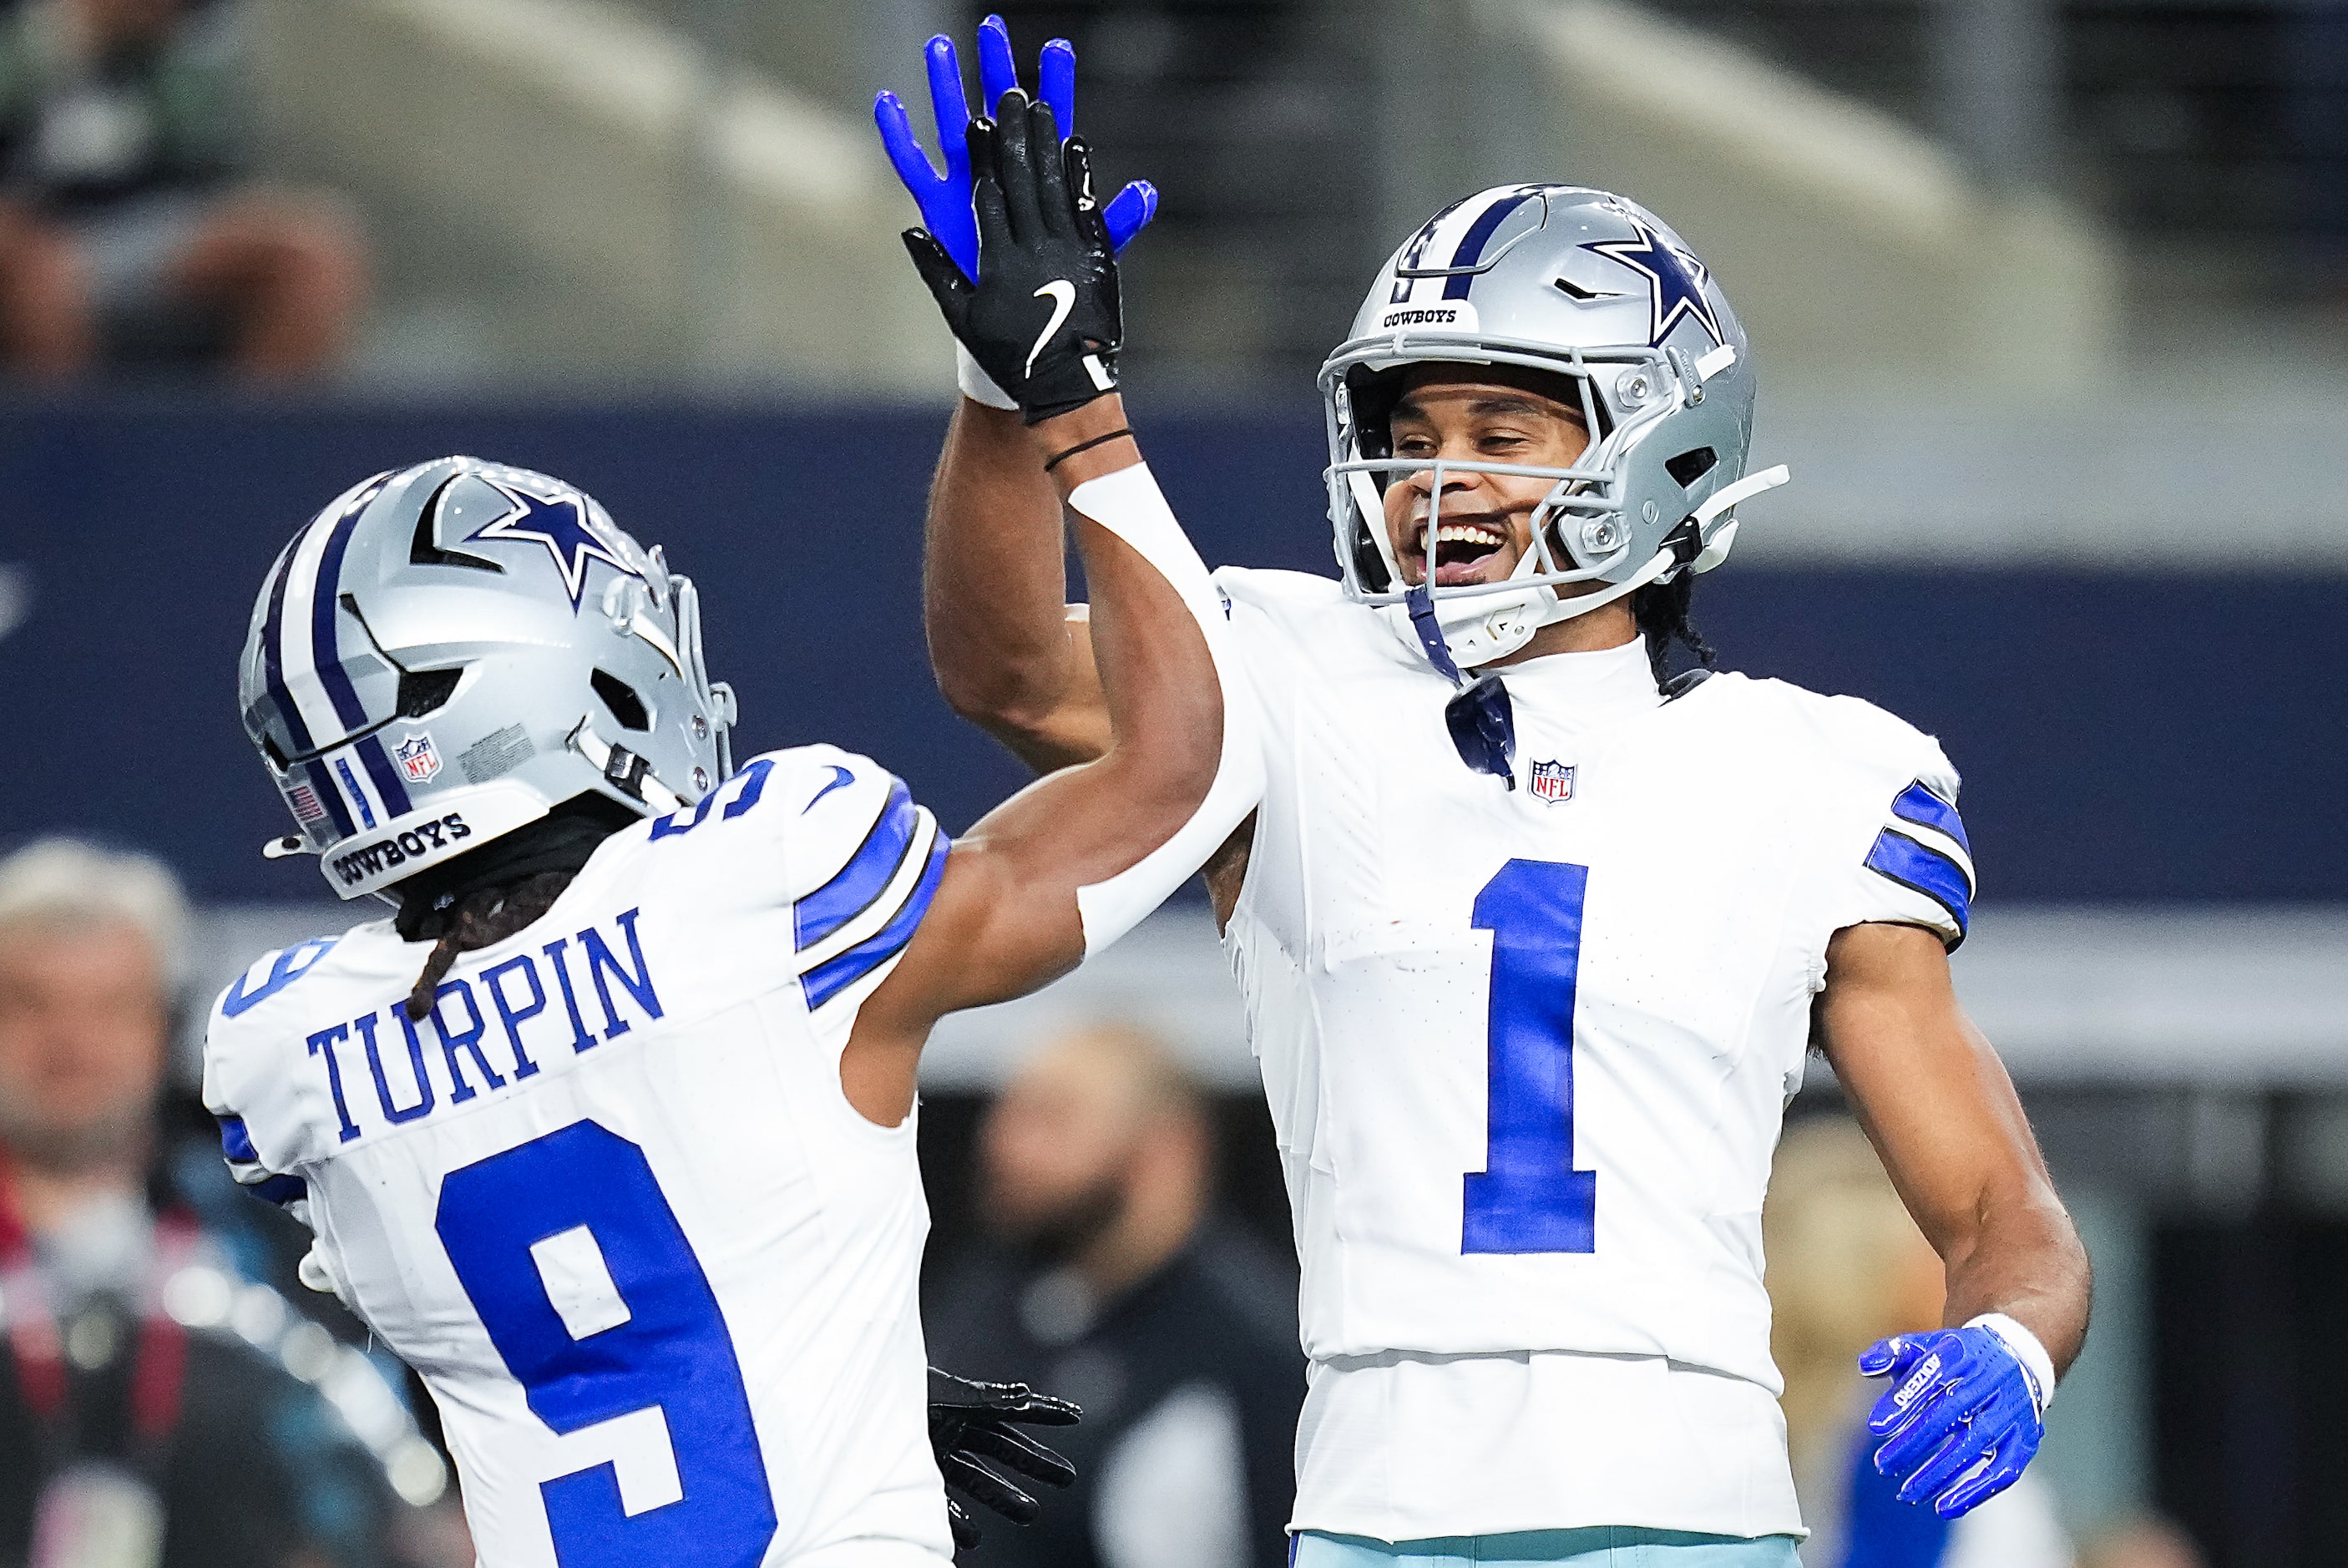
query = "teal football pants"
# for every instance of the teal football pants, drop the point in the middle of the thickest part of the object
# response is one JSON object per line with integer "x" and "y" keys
{"x": 1611, "y": 1546}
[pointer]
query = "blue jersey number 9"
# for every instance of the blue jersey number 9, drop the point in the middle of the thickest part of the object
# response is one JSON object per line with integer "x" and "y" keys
{"x": 654, "y": 1337}
{"x": 1528, "y": 1198}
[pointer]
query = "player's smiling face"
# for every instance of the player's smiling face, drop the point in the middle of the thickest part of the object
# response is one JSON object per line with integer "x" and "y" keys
{"x": 1478, "y": 414}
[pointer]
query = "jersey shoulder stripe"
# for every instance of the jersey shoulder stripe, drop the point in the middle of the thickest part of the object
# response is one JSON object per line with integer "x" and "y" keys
{"x": 827, "y": 980}
{"x": 866, "y": 874}
{"x": 872, "y": 865}
{"x": 1921, "y": 869}
{"x": 244, "y": 1164}
{"x": 1918, "y": 804}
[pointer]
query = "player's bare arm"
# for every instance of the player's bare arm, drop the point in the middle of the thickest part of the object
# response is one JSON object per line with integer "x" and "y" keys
{"x": 1011, "y": 913}
{"x": 1941, "y": 1111}
{"x": 1008, "y": 652}
{"x": 1011, "y": 654}
{"x": 1937, "y": 1103}
{"x": 1006, "y": 920}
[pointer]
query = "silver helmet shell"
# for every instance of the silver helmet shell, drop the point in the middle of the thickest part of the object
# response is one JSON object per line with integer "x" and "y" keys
{"x": 1599, "y": 291}
{"x": 446, "y": 654}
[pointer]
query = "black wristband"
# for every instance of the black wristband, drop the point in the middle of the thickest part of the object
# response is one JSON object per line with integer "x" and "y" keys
{"x": 1121, "y": 430}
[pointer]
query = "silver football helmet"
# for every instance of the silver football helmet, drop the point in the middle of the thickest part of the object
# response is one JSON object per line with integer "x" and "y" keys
{"x": 1599, "y": 291}
{"x": 446, "y": 654}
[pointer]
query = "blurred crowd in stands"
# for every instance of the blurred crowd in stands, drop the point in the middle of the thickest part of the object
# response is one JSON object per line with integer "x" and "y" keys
{"x": 133, "y": 232}
{"x": 169, "y": 1397}
{"x": 1110, "y": 1278}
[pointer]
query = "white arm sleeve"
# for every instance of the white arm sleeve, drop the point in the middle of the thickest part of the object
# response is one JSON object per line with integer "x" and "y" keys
{"x": 1128, "y": 504}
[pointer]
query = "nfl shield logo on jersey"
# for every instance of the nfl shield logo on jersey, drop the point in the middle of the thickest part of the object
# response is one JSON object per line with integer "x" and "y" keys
{"x": 418, "y": 759}
{"x": 1552, "y": 781}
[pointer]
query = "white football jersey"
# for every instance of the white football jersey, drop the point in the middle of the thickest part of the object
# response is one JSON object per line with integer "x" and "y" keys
{"x": 1528, "y": 1050}
{"x": 609, "y": 1198}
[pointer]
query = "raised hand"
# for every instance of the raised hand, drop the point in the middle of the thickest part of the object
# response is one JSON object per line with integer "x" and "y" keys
{"x": 972, "y": 1422}
{"x": 1043, "y": 321}
{"x": 945, "y": 198}
{"x": 1960, "y": 1420}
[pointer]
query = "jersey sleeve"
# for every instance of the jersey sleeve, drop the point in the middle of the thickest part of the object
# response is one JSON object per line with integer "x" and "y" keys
{"x": 252, "y": 1173}
{"x": 244, "y": 1076}
{"x": 1918, "y": 867}
{"x": 864, "y": 866}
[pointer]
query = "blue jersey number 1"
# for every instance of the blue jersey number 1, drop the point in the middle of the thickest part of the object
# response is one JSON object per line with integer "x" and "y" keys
{"x": 1528, "y": 1198}
{"x": 661, "y": 1343}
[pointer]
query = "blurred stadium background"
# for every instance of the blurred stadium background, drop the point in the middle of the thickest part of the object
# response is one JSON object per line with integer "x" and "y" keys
{"x": 2050, "y": 300}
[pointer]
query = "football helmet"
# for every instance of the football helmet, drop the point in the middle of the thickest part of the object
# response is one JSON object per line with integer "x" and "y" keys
{"x": 446, "y": 654}
{"x": 1599, "y": 291}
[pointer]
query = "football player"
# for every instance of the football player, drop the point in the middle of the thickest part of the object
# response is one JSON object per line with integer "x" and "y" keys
{"x": 1535, "y": 935}
{"x": 608, "y": 1130}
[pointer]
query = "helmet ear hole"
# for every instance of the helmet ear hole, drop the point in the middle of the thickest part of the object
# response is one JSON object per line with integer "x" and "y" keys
{"x": 1373, "y": 395}
{"x": 1691, "y": 466}
{"x": 423, "y": 692}
{"x": 622, "y": 699}
{"x": 1369, "y": 566}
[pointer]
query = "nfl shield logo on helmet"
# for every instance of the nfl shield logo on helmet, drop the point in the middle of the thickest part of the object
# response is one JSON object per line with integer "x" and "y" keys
{"x": 1552, "y": 781}
{"x": 417, "y": 760}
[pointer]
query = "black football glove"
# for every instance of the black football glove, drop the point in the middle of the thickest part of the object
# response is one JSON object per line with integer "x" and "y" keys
{"x": 970, "y": 1421}
{"x": 1043, "y": 320}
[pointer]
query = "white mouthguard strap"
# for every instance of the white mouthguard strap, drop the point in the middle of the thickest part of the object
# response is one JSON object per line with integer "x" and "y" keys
{"x": 1745, "y": 489}
{"x": 1128, "y": 504}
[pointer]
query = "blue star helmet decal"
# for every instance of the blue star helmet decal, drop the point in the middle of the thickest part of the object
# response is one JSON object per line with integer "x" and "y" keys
{"x": 561, "y": 523}
{"x": 1675, "y": 279}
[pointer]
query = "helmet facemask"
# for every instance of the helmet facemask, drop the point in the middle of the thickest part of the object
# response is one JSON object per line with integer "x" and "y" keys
{"x": 1576, "y": 531}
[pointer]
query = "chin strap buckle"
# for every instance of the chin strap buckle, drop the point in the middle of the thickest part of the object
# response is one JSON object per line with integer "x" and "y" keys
{"x": 625, "y": 771}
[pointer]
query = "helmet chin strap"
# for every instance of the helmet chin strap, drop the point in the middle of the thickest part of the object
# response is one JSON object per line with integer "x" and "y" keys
{"x": 625, "y": 770}
{"x": 1713, "y": 533}
{"x": 1559, "y": 608}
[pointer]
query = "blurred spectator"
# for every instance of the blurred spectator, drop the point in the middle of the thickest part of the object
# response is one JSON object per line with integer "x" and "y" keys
{"x": 125, "y": 228}
{"x": 1117, "y": 1291}
{"x": 2146, "y": 1543}
{"x": 1845, "y": 1267}
{"x": 156, "y": 1410}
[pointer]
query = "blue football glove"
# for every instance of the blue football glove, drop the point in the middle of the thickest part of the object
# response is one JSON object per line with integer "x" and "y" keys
{"x": 1958, "y": 1397}
{"x": 945, "y": 198}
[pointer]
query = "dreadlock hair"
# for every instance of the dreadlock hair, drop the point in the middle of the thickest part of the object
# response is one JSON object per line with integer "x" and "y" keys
{"x": 486, "y": 895}
{"x": 480, "y": 919}
{"x": 1661, "y": 610}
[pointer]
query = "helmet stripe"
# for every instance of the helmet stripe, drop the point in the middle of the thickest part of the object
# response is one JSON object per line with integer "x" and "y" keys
{"x": 326, "y": 652}
{"x": 1413, "y": 254}
{"x": 306, "y": 639}
{"x": 1480, "y": 234}
{"x": 272, "y": 661}
{"x": 330, "y": 796}
{"x": 296, "y": 642}
{"x": 386, "y": 777}
{"x": 352, "y": 789}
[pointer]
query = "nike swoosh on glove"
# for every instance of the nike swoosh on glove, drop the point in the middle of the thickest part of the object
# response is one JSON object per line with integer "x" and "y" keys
{"x": 1961, "y": 1418}
{"x": 1044, "y": 319}
{"x": 970, "y": 1421}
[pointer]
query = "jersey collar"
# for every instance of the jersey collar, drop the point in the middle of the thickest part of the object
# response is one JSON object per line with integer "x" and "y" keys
{"x": 1604, "y": 682}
